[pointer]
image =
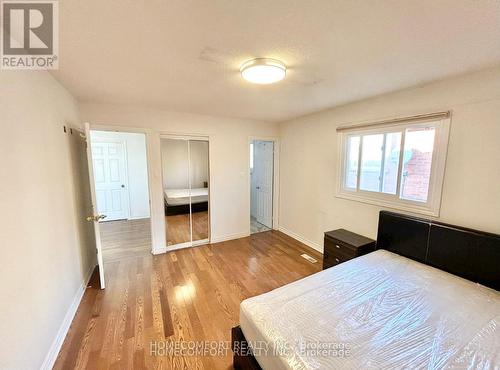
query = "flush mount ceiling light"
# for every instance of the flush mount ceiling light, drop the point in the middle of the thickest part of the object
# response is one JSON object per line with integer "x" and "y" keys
{"x": 263, "y": 71}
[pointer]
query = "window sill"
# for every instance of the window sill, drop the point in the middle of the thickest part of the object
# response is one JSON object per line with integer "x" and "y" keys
{"x": 403, "y": 206}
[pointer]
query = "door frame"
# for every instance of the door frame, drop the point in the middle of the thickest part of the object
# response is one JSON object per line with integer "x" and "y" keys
{"x": 276, "y": 179}
{"x": 125, "y": 161}
{"x": 148, "y": 136}
{"x": 187, "y": 137}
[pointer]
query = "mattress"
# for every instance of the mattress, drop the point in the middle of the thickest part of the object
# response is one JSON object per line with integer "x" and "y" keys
{"x": 177, "y": 197}
{"x": 378, "y": 311}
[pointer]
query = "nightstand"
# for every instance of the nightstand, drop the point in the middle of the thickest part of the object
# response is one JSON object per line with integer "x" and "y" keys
{"x": 342, "y": 245}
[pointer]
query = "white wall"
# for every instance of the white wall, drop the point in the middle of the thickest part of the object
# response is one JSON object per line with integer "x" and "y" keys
{"x": 471, "y": 193}
{"x": 199, "y": 163}
{"x": 137, "y": 169}
{"x": 47, "y": 247}
{"x": 229, "y": 159}
{"x": 176, "y": 166}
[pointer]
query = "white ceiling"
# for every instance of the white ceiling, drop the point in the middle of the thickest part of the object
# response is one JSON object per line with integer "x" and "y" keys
{"x": 184, "y": 55}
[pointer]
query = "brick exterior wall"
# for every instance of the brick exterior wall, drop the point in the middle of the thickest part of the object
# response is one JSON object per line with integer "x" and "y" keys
{"x": 417, "y": 175}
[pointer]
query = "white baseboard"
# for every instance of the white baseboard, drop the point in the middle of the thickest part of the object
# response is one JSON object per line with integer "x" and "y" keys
{"x": 138, "y": 217}
{"x": 159, "y": 250}
{"x": 217, "y": 239}
{"x": 301, "y": 239}
{"x": 51, "y": 357}
{"x": 223, "y": 238}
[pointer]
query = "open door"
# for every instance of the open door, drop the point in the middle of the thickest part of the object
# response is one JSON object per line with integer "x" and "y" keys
{"x": 94, "y": 217}
{"x": 263, "y": 174}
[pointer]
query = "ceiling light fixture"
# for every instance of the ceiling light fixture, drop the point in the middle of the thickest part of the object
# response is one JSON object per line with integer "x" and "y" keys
{"x": 263, "y": 71}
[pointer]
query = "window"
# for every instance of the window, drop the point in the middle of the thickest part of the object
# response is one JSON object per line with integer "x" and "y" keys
{"x": 397, "y": 164}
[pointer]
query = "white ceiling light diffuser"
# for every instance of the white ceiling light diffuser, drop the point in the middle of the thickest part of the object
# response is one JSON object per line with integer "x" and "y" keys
{"x": 263, "y": 71}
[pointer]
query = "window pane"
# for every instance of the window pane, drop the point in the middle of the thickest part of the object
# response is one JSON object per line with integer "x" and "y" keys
{"x": 391, "y": 162}
{"x": 417, "y": 161}
{"x": 371, "y": 162}
{"x": 351, "y": 172}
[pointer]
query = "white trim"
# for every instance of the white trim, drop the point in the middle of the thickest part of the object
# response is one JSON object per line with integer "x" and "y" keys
{"x": 159, "y": 250}
{"x": 139, "y": 218}
{"x": 188, "y": 138}
{"x": 302, "y": 239}
{"x": 58, "y": 341}
{"x": 170, "y": 248}
{"x": 276, "y": 179}
{"x": 223, "y": 238}
{"x": 436, "y": 116}
{"x": 174, "y": 247}
{"x": 429, "y": 208}
{"x": 197, "y": 243}
{"x": 388, "y": 204}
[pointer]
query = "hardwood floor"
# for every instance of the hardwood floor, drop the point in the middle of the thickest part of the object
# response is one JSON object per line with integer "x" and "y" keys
{"x": 178, "y": 228}
{"x": 188, "y": 294}
{"x": 125, "y": 238}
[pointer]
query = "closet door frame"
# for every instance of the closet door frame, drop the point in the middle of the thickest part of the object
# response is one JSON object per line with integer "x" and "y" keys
{"x": 276, "y": 179}
{"x": 187, "y": 138}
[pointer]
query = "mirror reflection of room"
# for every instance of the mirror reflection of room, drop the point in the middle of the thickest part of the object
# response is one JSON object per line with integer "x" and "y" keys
{"x": 199, "y": 188}
{"x": 185, "y": 186}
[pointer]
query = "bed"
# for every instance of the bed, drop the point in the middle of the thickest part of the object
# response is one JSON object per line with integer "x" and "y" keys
{"x": 413, "y": 303}
{"x": 177, "y": 200}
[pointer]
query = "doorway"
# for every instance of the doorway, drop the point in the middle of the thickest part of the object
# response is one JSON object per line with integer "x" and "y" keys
{"x": 119, "y": 182}
{"x": 186, "y": 186}
{"x": 261, "y": 185}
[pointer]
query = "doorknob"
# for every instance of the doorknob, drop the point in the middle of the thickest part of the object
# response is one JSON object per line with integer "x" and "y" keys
{"x": 96, "y": 218}
{"x": 258, "y": 187}
{"x": 123, "y": 185}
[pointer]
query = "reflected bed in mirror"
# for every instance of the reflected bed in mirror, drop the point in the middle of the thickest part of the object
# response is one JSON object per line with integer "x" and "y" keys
{"x": 177, "y": 201}
{"x": 177, "y": 214}
{"x": 185, "y": 191}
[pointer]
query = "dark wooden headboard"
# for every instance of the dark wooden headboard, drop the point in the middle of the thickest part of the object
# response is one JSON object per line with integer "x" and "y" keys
{"x": 471, "y": 254}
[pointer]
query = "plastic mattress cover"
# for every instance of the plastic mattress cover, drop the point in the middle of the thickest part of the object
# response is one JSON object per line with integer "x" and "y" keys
{"x": 379, "y": 311}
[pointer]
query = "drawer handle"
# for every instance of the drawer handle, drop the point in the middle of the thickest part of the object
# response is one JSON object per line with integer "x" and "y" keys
{"x": 337, "y": 246}
{"x": 337, "y": 260}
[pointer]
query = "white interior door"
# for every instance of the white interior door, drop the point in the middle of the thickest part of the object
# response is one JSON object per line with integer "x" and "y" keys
{"x": 253, "y": 202}
{"x": 110, "y": 176}
{"x": 263, "y": 181}
{"x": 95, "y": 216}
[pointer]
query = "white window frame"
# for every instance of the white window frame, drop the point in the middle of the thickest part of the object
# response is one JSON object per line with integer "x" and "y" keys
{"x": 433, "y": 204}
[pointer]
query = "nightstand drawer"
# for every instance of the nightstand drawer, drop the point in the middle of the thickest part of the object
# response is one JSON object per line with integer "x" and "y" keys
{"x": 338, "y": 248}
{"x": 330, "y": 260}
{"x": 342, "y": 245}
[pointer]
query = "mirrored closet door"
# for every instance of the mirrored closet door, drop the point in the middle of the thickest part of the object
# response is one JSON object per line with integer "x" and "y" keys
{"x": 185, "y": 170}
{"x": 198, "y": 172}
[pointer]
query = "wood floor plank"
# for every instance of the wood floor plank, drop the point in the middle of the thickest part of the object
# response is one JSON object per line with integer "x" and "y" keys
{"x": 125, "y": 238}
{"x": 178, "y": 227}
{"x": 188, "y": 295}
